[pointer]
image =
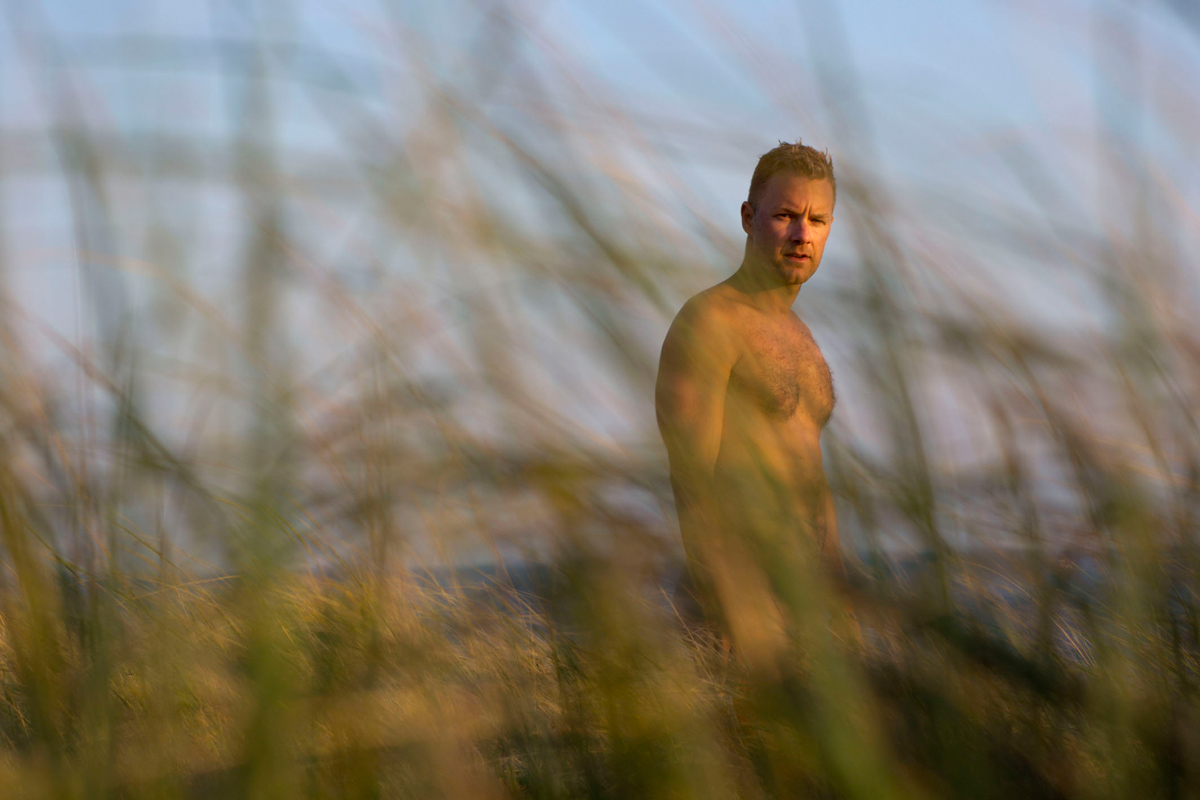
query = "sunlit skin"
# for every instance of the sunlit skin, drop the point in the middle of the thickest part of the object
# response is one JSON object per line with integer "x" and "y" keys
{"x": 743, "y": 394}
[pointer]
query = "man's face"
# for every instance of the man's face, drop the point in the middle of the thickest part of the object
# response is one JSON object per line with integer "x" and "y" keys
{"x": 788, "y": 228}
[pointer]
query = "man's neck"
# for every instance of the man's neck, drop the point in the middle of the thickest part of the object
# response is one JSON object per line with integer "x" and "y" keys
{"x": 763, "y": 291}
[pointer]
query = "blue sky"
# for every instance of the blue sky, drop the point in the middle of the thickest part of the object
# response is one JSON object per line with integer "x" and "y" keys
{"x": 933, "y": 69}
{"x": 676, "y": 99}
{"x": 952, "y": 92}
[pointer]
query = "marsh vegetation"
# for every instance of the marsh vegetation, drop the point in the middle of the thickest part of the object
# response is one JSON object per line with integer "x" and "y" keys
{"x": 296, "y": 334}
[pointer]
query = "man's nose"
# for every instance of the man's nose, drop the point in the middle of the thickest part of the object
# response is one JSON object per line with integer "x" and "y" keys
{"x": 802, "y": 231}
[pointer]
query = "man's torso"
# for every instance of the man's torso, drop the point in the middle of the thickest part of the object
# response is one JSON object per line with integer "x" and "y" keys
{"x": 768, "y": 473}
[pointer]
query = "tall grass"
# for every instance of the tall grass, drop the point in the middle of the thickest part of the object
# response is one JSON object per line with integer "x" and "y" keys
{"x": 313, "y": 375}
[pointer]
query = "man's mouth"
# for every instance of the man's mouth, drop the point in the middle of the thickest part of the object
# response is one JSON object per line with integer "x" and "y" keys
{"x": 798, "y": 256}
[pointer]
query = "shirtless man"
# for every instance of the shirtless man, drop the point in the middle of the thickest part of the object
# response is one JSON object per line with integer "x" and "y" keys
{"x": 743, "y": 393}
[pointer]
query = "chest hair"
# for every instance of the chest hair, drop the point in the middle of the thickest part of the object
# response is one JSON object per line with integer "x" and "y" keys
{"x": 783, "y": 369}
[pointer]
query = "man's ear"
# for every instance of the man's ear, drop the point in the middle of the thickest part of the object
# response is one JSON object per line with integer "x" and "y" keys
{"x": 747, "y": 217}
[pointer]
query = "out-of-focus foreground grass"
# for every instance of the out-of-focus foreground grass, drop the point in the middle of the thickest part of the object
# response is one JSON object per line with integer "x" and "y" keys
{"x": 232, "y": 507}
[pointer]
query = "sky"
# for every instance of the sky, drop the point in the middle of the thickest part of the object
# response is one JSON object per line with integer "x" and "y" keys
{"x": 935, "y": 102}
{"x": 946, "y": 86}
{"x": 935, "y": 76}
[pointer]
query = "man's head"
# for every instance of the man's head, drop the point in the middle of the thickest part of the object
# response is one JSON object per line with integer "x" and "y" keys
{"x": 788, "y": 212}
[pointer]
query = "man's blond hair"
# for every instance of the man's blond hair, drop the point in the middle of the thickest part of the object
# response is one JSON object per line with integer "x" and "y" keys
{"x": 787, "y": 157}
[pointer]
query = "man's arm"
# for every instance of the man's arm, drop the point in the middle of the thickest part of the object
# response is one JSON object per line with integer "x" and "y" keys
{"x": 845, "y": 620}
{"x": 693, "y": 377}
{"x": 831, "y": 549}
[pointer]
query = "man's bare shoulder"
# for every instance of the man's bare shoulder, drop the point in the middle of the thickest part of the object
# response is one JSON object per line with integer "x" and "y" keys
{"x": 711, "y": 311}
{"x": 702, "y": 335}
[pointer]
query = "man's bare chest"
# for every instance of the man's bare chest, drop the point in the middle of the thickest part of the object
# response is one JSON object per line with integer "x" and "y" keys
{"x": 782, "y": 371}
